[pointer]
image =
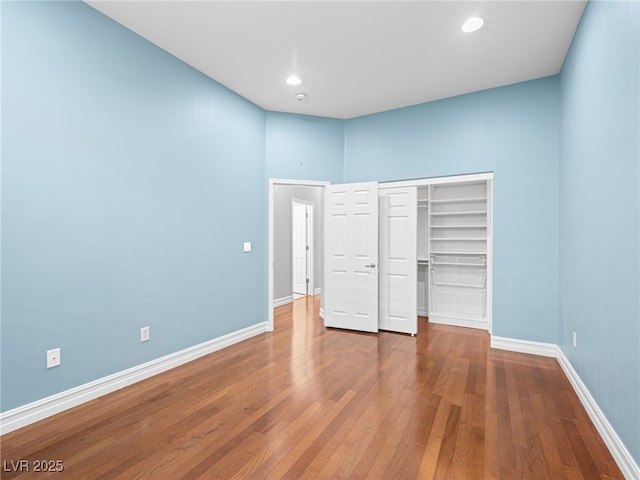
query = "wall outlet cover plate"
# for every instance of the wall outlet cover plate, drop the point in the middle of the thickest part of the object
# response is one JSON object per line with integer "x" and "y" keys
{"x": 53, "y": 358}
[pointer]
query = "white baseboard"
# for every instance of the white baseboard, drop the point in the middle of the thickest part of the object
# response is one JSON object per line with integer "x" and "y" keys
{"x": 39, "y": 410}
{"x": 278, "y": 302}
{"x": 321, "y": 313}
{"x": 317, "y": 291}
{"x": 525, "y": 346}
{"x": 621, "y": 455}
{"x": 423, "y": 312}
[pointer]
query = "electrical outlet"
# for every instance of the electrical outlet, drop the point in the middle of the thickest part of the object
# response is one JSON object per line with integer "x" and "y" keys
{"x": 575, "y": 340}
{"x": 144, "y": 334}
{"x": 53, "y": 358}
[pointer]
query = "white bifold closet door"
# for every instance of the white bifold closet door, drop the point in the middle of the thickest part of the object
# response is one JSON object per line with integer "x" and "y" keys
{"x": 351, "y": 256}
{"x": 371, "y": 257}
{"x": 398, "y": 305}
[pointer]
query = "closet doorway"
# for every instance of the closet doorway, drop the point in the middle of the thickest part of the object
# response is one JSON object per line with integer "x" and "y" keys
{"x": 427, "y": 249}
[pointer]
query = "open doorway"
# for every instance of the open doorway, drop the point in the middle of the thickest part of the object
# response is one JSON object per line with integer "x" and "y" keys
{"x": 282, "y": 195}
{"x": 302, "y": 248}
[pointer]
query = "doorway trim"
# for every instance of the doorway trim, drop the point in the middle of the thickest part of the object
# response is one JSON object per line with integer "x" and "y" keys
{"x": 272, "y": 183}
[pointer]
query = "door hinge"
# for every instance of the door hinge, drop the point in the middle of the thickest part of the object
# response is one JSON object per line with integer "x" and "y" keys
{"x": 307, "y": 280}
{"x": 307, "y": 248}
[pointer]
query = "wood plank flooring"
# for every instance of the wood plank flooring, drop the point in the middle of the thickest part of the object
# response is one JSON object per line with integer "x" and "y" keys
{"x": 310, "y": 402}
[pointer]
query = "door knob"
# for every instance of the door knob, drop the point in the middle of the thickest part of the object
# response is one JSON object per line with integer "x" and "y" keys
{"x": 371, "y": 265}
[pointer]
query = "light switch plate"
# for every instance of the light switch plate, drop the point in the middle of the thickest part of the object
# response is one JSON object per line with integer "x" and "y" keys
{"x": 246, "y": 247}
{"x": 144, "y": 334}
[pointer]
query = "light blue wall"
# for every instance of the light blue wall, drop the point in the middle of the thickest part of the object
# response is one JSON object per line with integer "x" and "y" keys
{"x": 511, "y": 131}
{"x": 129, "y": 182}
{"x": 304, "y": 147}
{"x": 600, "y": 211}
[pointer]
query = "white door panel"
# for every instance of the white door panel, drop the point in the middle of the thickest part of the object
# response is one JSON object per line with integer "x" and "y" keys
{"x": 351, "y": 256}
{"x": 398, "y": 259}
{"x": 299, "y": 245}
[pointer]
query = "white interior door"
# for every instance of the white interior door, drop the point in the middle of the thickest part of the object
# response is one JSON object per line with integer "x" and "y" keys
{"x": 399, "y": 259}
{"x": 351, "y": 256}
{"x": 300, "y": 248}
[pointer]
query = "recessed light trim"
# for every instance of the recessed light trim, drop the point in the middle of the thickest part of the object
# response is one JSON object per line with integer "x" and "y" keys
{"x": 294, "y": 80}
{"x": 301, "y": 96}
{"x": 472, "y": 24}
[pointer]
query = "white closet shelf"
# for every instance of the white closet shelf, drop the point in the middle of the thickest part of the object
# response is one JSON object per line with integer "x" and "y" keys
{"x": 471, "y": 318}
{"x": 453, "y": 284}
{"x": 458, "y": 226}
{"x": 460, "y": 200}
{"x": 475, "y": 212}
{"x": 465, "y": 259}
{"x": 458, "y": 239}
{"x": 457, "y": 264}
{"x": 457, "y": 253}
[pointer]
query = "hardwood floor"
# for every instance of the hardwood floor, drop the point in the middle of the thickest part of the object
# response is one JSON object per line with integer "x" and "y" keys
{"x": 310, "y": 402}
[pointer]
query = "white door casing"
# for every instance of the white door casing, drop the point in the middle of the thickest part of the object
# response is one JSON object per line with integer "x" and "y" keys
{"x": 398, "y": 307}
{"x": 351, "y": 256}
{"x": 299, "y": 246}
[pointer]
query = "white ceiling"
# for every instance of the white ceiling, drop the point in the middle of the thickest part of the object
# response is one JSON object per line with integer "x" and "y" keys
{"x": 356, "y": 57}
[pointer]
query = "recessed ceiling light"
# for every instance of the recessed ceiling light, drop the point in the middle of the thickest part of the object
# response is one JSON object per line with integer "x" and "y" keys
{"x": 301, "y": 96}
{"x": 473, "y": 24}
{"x": 293, "y": 80}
